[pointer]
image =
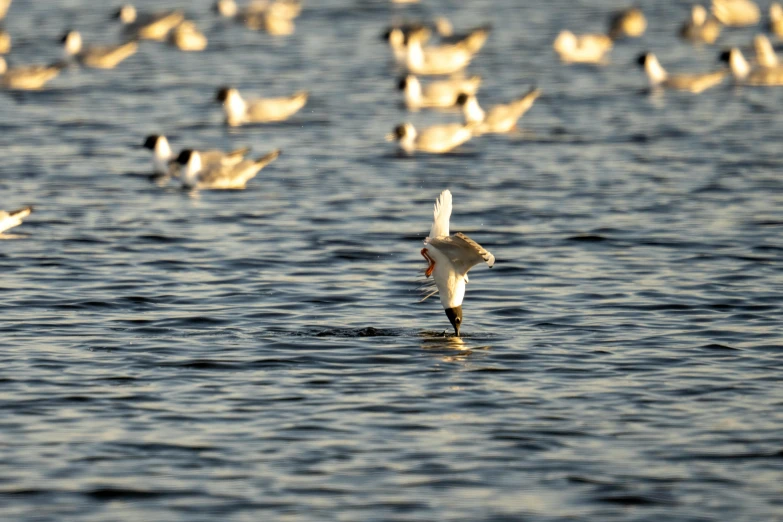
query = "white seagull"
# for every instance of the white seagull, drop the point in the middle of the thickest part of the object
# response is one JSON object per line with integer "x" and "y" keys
{"x": 262, "y": 110}
{"x": 202, "y": 176}
{"x": 450, "y": 257}
{"x": 14, "y": 218}
{"x": 164, "y": 160}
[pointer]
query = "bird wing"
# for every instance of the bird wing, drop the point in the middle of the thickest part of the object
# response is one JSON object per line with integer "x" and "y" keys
{"x": 463, "y": 252}
{"x": 441, "y": 214}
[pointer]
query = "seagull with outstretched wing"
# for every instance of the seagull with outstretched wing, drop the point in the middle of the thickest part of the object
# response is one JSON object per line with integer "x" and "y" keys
{"x": 450, "y": 257}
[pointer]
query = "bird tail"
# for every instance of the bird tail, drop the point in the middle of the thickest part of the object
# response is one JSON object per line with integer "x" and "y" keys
{"x": 524, "y": 103}
{"x": 21, "y": 213}
{"x": 263, "y": 161}
{"x": 238, "y": 154}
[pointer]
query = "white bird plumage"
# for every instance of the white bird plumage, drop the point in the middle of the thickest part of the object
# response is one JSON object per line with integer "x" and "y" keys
{"x": 13, "y": 218}
{"x": 220, "y": 176}
{"x": 450, "y": 257}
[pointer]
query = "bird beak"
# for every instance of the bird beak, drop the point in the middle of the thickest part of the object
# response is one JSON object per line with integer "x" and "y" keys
{"x": 455, "y": 316}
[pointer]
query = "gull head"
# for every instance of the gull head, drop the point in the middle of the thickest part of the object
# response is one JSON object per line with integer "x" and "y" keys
{"x": 224, "y": 93}
{"x": 186, "y": 155}
{"x": 72, "y": 42}
{"x": 403, "y": 83}
{"x": 126, "y": 14}
{"x": 401, "y": 132}
{"x": 462, "y": 99}
{"x": 641, "y": 60}
{"x": 191, "y": 160}
{"x": 151, "y": 141}
{"x": 455, "y": 316}
{"x": 226, "y": 8}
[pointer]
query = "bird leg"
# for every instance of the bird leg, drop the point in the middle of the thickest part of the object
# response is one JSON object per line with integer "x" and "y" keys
{"x": 431, "y": 262}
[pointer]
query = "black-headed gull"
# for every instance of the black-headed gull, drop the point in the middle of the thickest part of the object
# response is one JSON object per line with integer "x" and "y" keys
{"x": 700, "y": 27}
{"x": 27, "y": 77}
{"x": 13, "y": 218}
{"x": 164, "y": 159}
{"x": 450, "y": 257}
{"x": 436, "y": 139}
{"x": 438, "y": 94}
{"x": 744, "y": 73}
{"x": 498, "y": 119}
{"x": 99, "y": 56}
{"x": 694, "y": 83}
{"x": 585, "y": 48}
{"x": 736, "y": 13}
{"x": 628, "y": 22}
{"x": 216, "y": 176}
{"x": 263, "y": 110}
{"x": 187, "y": 37}
{"x": 153, "y": 26}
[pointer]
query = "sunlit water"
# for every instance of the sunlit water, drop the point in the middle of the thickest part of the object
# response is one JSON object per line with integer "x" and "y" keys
{"x": 262, "y": 354}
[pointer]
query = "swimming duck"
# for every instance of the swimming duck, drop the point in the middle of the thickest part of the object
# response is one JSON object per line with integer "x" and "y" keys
{"x": 755, "y": 76}
{"x": 736, "y": 13}
{"x": 27, "y": 77}
{"x": 264, "y": 110}
{"x": 694, "y": 83}
{"x": 586, "y": 48}
{"x": 187, "y": 37}
{"x": 99, "y": 57}
{"x": 500, "y": 118}
{"x": 437, "y": 139}
{"x": 201, "y": 176}
{"x": 628, "y": 22}
{"x": 700, "y": 27}
{"x": 437, "y": 94}
{"x": 155, "y": 26}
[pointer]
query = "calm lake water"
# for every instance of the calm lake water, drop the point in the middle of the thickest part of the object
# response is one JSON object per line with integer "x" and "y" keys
{"x": 262, "y": 354}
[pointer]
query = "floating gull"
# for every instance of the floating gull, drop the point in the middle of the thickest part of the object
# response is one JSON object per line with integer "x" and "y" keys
{"x": 500, "y": 118}
{"x": 199, "y": 175}
{"x": 154, "y": 26}
{"x": 700, "y": 27}
{"x": 694, "y": 83}
{"x": 14, "y": 218}
{"x": 264, "y": 110}
{"x": 437, "y": 139}
{"x": 754, "y": 76}
{"x": 164, "y": 159}
{"x": 586, "y": 48}
{"x": 450, "y": 257}
{"x": 27, "y": 77}
{"x": 736, "y": 13}
{"x": 187, "y": 37}
{"x": 628, "y": 22}
{"x": 438, "y": 94}
{"x": 436, "y": 60}
{"x": 100, "y": 57}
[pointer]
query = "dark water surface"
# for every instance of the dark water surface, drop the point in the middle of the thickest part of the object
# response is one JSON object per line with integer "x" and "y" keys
{"x": 262, "y": 355}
